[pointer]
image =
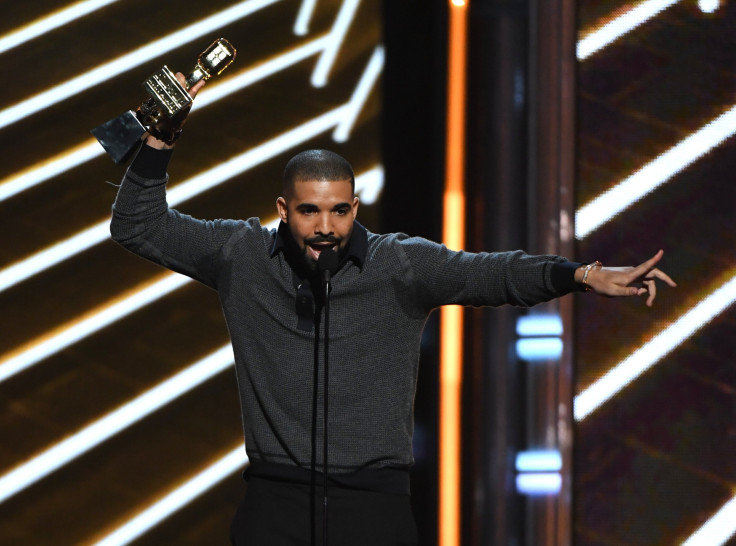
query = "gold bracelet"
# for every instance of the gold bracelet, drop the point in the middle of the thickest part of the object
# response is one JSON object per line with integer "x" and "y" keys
{"x": 587, "y": 270}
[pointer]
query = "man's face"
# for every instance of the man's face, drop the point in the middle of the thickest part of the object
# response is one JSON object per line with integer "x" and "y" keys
{"x": 320, "y": 215}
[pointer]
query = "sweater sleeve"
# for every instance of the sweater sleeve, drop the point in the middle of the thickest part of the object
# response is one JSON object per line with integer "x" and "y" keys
{"x": 442, "y": 276}
{"x": 143, "y": 223}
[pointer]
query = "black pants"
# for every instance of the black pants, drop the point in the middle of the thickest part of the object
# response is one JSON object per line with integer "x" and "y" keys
{"x": 277, "y": 513}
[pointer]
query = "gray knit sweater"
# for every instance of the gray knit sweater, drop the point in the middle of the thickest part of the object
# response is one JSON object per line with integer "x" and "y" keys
{"x": 378, "y": 308}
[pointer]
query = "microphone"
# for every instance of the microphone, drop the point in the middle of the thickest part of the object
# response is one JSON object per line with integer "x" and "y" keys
{"x": 327, "y": 263}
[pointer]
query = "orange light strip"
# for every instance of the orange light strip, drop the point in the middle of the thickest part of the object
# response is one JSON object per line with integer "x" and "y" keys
{"x": 451, "y": 317}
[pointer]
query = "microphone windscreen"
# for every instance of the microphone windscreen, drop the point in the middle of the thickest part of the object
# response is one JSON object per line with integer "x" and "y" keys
{"x": 327, "y": 261}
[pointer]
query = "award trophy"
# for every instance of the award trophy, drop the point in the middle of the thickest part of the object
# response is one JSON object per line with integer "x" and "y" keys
{"x": 163, "y": 112}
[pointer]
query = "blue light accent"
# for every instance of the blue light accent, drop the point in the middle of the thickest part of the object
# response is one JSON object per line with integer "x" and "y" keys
{"x": 539, "y": 325}
{"x": 548, "y": 460}
{"x": 539, "y": 483}
{"x": 539, "y": 348}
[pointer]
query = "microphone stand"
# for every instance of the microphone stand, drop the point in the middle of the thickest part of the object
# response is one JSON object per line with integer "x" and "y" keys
{"x": 327, "y": 264}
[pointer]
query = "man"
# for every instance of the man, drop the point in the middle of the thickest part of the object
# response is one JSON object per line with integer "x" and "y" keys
{"x": 383, "y": 288}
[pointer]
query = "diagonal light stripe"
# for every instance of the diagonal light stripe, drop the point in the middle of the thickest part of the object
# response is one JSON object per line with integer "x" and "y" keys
{"x": 360, "y": 95}
{"x": 69, "y": 159}
{"x": 94, "y": 434}
{"x": 653, "y": 351}
{"x": 603, "y": 208}
{"x": 368, "y": 186}
{"x": 337, "y": 37}
{"x": 176, "y": 499}
{"x": 55, "y": 20}
{"x": 718, "y": 529}
{"x": 145, "y": 53}
{"x": 301, "y": 25}
{"x": 96, "y": 320}
{"x": 49, "y": 168}
{"x": 40, "y": 261}
{"x": 623, "y": 24}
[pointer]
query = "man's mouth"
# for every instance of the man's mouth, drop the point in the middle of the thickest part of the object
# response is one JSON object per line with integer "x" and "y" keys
{"x": 315, "y": 249}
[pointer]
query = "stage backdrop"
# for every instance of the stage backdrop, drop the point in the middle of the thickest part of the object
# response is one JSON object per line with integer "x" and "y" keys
{"x": 119, "y": 415}
{"x": 655, "y": 404}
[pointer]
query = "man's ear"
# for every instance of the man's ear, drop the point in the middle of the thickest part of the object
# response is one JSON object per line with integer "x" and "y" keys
{"x": 356, "y": 202}
{"x": 283, "y": 210}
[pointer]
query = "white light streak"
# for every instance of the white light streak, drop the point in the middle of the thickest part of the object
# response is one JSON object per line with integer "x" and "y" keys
{"x": 84, "y": 327}
{"x": 539, "y": 325}
{"x": 337, "y": 36}
{"x": 301, "y": 25}
{"x": 231, "y": 463}
{"x": 534, "y": 349}
{"x": 50, "y": 168}
{"x": 603, "y": 208}
{"x": 544, "y": 460}
{"x": 55, "y": 20}
{"x": 73, "y": 158}
{"x": 368, "y": 185}
{"x": 613, "y": 30}
{"x": 709, "y": 6}
{"x": 539, "y": 483}
{"x": 100, "y": 430}
{"x": 718, "y": 529}
{"x": 63, "y": 250}
{"x": 651, "y": 352}
{"x": 145, "y": 53}
{"x": 360, "y": 95}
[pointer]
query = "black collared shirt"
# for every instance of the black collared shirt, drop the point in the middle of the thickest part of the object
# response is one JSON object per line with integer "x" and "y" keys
{"x": 355, "y": 250}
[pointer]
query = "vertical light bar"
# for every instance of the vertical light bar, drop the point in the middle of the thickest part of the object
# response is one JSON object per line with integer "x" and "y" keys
{"x": 451, "y": 318}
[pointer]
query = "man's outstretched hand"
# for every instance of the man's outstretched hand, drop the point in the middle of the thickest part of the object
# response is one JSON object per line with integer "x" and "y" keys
{"x": 181, "y": 117}
{"x": 626, "y": 281}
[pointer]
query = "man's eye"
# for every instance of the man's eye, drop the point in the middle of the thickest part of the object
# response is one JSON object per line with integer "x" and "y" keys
{"x": 341, "y": 212}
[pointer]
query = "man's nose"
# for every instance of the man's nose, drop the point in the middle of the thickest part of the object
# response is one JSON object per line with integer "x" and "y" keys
{"x": 324, "y": 225}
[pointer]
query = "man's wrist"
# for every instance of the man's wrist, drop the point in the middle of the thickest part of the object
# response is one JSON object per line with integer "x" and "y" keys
{"x": 157, "y": 144}
{"x": 151, "y": 161}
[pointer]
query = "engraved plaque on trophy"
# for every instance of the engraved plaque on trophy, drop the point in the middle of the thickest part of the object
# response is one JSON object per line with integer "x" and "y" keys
{"x": 167, "y": 104}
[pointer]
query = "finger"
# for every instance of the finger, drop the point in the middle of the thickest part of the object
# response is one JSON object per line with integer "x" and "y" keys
{"x": 652, "y": 288}
{"x": 645, "y": 268}
{"x": 661, "y": 275}
{"x": 193, "y": 90}
{"x": 651, "y": 262}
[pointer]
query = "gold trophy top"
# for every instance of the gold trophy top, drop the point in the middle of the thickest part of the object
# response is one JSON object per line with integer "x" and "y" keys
{"x": 212, "y": 61}
{"x": 168, "y": 97}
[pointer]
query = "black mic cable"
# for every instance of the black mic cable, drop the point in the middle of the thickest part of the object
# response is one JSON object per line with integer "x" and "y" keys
{"x": 327, "y": 265}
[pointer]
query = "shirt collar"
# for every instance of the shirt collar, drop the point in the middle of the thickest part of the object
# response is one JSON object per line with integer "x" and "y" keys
{"x": 356, "y": 250}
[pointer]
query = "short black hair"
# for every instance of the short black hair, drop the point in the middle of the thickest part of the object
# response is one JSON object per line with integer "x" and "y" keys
{"x": 316, "y": 165}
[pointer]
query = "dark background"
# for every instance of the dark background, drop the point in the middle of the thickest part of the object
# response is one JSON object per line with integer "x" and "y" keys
{"x": 656, "y": 461}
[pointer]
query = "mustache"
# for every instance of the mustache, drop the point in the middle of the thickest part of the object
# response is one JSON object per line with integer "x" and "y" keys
{"x": 321, "y": 239}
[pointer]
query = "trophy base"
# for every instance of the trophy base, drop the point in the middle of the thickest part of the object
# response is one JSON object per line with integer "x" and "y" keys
{"x": 120, "y": 136}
